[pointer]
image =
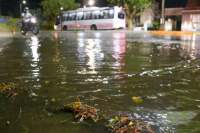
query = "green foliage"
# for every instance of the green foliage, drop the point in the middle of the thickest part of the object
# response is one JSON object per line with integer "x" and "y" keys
{"x": 52, "y": 8}
{"x": 38, "y": 13}
{"x": 156, "y": 24}
{"x": 131, "y": 5}
{"x": 47, "y": 25}
{"x": 10, "y": 14}
{"x": 133, "y": 8}
{"x": 14, "y": 21}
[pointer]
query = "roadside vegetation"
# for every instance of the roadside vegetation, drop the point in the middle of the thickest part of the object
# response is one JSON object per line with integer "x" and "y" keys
{"x": 9, "y": 23}
{"x": 15, "y": 22}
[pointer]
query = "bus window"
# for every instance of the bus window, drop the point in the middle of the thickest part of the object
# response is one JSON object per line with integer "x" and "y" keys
{"x": 72, "y": 16}
{"x": 95, "y": 14}
{"x": 104, "y": 14}
{"x": 111, "y": 13}
{"x": 84, "y": 15}
{"x": 65, "y": 17}
{"x": 79, "y": 16}
{"x": 121, "y": 15}
{"x": 89, "y": 15}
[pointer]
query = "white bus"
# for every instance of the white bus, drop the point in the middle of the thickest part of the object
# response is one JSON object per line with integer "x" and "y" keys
{"x": 93, "y": 18}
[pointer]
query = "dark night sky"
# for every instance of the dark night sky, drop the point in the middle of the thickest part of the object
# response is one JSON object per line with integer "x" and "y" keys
{"x": 174, "y": 3}
{"x": 7, "y": 5}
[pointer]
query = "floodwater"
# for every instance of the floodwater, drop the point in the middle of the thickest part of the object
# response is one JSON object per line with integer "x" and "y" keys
{"x": 105, "y": 69}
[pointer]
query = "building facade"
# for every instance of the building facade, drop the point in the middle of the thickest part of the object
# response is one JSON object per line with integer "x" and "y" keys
{"x": 146, "y": 19}
{"x": 184, "y": 19}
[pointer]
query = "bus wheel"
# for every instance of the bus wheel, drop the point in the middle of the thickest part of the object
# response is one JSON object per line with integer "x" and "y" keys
{"x": 65, "y": 28}
{"x": 94, "y": 27}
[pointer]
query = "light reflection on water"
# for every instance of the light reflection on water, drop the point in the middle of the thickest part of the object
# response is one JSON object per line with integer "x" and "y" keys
{"x": 106, "y": 70}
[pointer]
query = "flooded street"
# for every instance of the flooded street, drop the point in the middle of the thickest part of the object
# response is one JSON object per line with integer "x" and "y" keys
{"x": 106, "y": 69}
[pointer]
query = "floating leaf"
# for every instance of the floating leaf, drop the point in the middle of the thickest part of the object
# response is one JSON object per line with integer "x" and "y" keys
{"x": 47, "y": 82}
{"x": 8, "y": 122}
{"x": 11, "y": 94}
{"x": 125, "y": 120}
{"x": 137, "y": 99}
{"x": 111, "y": 122}
{"x": 53, "y": 100}
{"x": 75, "y": 106}
{"x": 88, "y": 106}
{"x": 130, "y": 124}
{"x": 63, "y": 121}
{"x": 116, "y": 119}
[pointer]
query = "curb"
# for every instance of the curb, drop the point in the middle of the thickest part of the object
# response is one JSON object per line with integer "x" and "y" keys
{"x": 173, "y": 32}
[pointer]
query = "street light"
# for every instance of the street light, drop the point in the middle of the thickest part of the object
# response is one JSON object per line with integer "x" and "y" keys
{"x": 22, "y": 2}
{"x": 90, "y": 3}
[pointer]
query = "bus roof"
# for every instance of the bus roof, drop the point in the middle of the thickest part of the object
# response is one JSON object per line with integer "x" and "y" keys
{"x": 86, "y": 9}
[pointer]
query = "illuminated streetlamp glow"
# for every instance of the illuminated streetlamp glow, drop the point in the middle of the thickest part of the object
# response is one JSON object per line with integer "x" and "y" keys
{"x": 91, "y": 2}
{"x": 23, "y": 2}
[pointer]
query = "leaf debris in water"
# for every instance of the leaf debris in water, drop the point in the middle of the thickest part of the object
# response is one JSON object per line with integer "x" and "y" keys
{"x": 137, "y": 99}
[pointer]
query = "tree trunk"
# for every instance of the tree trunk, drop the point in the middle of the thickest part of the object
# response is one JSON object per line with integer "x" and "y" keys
{"x": 61, "y": 27}
{"x": 130, "y": 24}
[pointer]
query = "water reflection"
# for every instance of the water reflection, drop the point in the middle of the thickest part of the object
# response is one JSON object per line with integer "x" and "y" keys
{"x": 89, "y": 52}
{"x": 56, "y": 48}
{"x": 34, "y": 46}
{"x": 190, "y": 47}
{"x": 119, "y": 47}
{"x": 187, "y": 48}
{"x": 93, "y": 51}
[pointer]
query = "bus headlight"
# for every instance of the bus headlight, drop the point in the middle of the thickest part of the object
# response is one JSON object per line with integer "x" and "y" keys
{"x": 55, "y": 27}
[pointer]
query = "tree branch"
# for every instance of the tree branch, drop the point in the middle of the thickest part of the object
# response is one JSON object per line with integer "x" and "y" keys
{"x": 127, "y": 9}
{"x": 134, "y": 11}
{"x": 147, "y": 6}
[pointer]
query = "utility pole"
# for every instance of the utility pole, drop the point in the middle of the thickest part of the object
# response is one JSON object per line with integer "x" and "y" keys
{"x": 21, "y": 6}
{"x": 83, "y": 3}
{"x": 162, "y": 24}
{"x": 0, "y": 8}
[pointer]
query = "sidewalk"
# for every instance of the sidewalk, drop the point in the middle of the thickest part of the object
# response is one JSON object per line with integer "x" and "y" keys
{"x": 5, "y": 34}
{"x": 174, "y": 32}
{"x": 5, "y": 38}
